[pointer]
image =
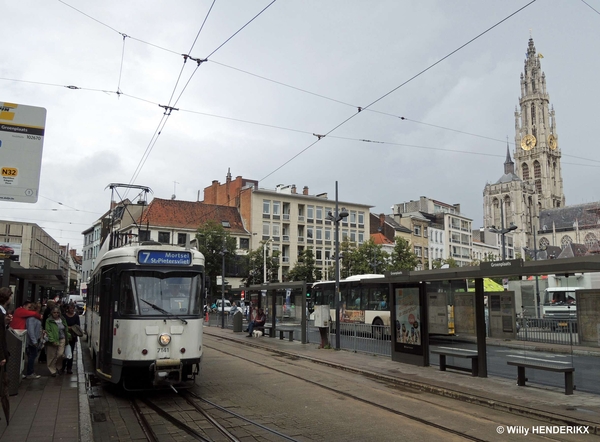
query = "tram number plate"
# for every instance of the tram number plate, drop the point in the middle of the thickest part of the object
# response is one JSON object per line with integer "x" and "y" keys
{"x": 162, "y": 350}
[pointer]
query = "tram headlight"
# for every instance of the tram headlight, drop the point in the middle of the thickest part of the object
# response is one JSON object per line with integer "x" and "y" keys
{"x": 164, "y": 339}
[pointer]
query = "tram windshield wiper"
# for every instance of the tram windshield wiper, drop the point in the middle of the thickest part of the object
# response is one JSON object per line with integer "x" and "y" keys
{"x": 162, "y": 310}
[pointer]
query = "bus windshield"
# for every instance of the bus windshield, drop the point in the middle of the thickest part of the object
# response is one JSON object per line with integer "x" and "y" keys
{"x": 175, "y": 293}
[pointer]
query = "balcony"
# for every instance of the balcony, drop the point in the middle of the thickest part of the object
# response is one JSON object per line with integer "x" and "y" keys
{"x": 286, "y": 216}
{"x": 285, "y": 259}
{"x": 300, "y": 239}
{"x": 301, "y": 218}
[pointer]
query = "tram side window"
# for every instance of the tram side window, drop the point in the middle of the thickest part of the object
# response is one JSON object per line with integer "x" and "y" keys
{"x": 127, "y": 305}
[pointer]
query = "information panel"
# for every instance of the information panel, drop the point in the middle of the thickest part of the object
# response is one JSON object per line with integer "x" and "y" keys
{"x": 159, "y": 257}
{"x": 21, "y": 142}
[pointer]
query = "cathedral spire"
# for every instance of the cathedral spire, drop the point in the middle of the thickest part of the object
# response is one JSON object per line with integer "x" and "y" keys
{"x": 509, "y": 166}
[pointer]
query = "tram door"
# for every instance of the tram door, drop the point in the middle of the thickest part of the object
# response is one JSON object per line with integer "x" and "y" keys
{"x": 106, "y": 323}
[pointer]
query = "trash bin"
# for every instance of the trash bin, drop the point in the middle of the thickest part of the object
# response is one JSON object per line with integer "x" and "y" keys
{"x": 237, "y": 322}
{"x": 16, "y": 342}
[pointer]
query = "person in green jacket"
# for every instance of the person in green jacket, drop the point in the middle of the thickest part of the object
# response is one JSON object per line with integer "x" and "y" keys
{"x": 58, "y": 335}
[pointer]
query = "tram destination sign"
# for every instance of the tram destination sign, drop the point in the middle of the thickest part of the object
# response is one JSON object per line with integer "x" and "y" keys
{"x": 164, "y": 257}
{"x": 21, "y": 141}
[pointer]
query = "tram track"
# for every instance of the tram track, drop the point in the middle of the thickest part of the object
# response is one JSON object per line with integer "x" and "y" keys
{"x": 352, "y": 396}
{"x": 169, "y": 407}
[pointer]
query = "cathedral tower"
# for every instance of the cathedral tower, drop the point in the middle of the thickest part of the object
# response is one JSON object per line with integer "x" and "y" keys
{"x": 534, "y": 181}
{"x": 537, "y": 154}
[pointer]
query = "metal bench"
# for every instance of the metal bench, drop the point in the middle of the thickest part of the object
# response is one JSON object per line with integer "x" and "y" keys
{"x": 268, "y": 330}
{"x": 548, "y": 366}
{"x": 457, "y": 353}
{"x": 290, "y": 333}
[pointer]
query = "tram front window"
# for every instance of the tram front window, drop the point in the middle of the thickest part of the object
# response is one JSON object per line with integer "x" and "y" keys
{"x": 178, "y": 294}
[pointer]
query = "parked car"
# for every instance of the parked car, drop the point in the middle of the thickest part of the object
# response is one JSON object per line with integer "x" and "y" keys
{"x": 226, "y": 308}
{"x": 6, "y": 250}
{"x": 78, "y": 301}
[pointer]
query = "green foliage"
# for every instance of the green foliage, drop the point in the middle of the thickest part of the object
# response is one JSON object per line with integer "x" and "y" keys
{"x": 213, "y": 239}
{"x": 255, "y": 264}
{"x": 403, "y": 257}
{"x": 305, "y": 269}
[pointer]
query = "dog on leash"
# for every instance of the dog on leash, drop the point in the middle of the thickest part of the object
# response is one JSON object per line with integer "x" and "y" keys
{"x": 256, "y": 333}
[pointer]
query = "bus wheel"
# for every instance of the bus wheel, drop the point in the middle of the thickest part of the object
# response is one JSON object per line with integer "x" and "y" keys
{"x": 377, "y": 329}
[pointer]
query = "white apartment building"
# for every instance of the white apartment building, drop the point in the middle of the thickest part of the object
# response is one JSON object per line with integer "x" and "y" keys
{"x": 295, "y": 222}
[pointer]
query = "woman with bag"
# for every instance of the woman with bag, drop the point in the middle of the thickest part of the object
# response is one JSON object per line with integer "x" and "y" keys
{"x": 72, "y": 319}
{"x": 58, "y": 335}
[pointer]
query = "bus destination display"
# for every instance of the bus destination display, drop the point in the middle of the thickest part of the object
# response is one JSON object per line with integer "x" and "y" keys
{"x": 164, "y": 258}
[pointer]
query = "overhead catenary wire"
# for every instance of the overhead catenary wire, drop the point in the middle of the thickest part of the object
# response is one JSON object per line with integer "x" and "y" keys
{"x": 401, "y": 85}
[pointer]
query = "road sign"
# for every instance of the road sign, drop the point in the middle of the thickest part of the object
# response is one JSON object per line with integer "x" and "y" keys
{"x": 21, "y": 142}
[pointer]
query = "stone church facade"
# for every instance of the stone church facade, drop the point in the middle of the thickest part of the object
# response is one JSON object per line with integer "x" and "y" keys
{"x": 530, "y": 192}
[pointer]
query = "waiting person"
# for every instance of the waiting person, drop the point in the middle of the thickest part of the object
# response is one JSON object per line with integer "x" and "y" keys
{"x": 58, "y": 335}
{"x": 259, "y": 321}
{"x": 49, "y": 306}
{"x": 21, "y": 314}
{"x": 34, "y": 335}
{"x": 72, "y": 319}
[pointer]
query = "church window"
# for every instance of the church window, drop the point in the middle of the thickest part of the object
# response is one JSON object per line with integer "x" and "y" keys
{"x": 537, "y": 169}
{"x": 565, "y": 241}
{"x": 525, "y": 169}
{"x": 538, "y": 186}
{"x": 591, "y": 240}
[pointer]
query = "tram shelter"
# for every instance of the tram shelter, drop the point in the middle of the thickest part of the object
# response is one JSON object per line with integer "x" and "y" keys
{"x": 409, "y": 303}
{"x": 283, "y": 302}
{"x": 34, "y": 281}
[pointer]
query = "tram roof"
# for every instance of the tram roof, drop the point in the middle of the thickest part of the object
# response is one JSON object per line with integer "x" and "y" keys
{"x": 129, "y": 253}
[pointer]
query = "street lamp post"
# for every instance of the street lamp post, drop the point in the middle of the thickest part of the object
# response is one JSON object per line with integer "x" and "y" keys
{"x": 336, "y": 218}
{"x": 537, "y": 283}
{"x": 223, "y": 285}
{"x": 265, "y": 259}
{"x": 503, "y": 231}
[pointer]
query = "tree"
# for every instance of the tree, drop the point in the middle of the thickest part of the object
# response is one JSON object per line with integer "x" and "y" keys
{"x": 402, "y": 256}
{"x": 305, "y": 269}
{"x": 347, "y": 259}
{"x": 255, "y": 266}
{"x": 369, "y": 258}
{"x": 213, "y": 240}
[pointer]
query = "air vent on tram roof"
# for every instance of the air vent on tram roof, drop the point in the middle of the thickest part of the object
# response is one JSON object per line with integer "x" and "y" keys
{"x": 151, "y": 243}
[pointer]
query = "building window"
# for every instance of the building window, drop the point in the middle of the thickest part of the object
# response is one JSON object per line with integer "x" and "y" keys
{"x": 353, "y": 235}
{"x": 164, "y": 237}
{"x": 144, "y": 235}
{"x": 424, "y": 232}
{"x": 181, "y": 239}
{"x": 276, "y": 231}
{"x": 361, "y": 237}
{"x": 361, "y": 217}
{"x": 276, "y": 207}
{"x": 418, "y": 251}
{"x": 266, "y": 207}
{"x": 244, "y": 243}
{"x": 310, "y": 212}
{"x": 327, "y": 234}
{"x": 319, "y": 212}
{"x": 266, "y": 229}
{"x": 417, "y": 230}
{"x": 309, "y": 232}
{"x": 319, "y": 234}
{"x": 353, "y": 217}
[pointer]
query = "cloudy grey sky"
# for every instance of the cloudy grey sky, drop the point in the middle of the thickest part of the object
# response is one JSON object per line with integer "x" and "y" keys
{"x": 301, "y": 67}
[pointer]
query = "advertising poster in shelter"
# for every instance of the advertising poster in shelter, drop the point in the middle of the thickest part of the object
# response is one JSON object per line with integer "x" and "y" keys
{"x": 408, "y": 317}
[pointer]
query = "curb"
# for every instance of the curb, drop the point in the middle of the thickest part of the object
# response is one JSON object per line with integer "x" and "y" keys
{"x": 85, "y": 418}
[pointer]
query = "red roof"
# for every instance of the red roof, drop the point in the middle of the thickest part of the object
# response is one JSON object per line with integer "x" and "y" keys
{"x": 379, "y": 238}
{"x": 190, "y": 215}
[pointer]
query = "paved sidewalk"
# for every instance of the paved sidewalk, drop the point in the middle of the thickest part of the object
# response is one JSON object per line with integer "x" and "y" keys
{"x": 549, "y": 404}
{"x": 50, "y": 409}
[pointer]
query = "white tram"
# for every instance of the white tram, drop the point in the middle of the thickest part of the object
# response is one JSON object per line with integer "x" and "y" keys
{"x": 144, "y": 315}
